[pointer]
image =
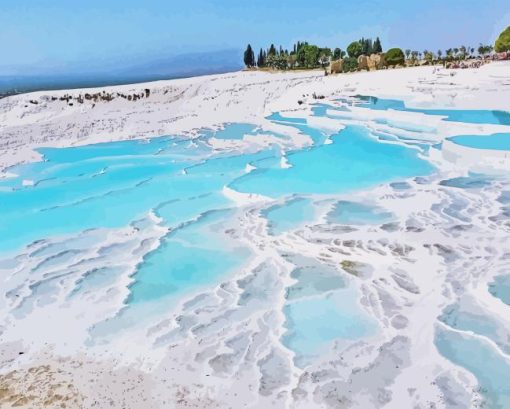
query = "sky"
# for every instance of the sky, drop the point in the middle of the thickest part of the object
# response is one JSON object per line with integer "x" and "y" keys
{"x": 44, "y": 36}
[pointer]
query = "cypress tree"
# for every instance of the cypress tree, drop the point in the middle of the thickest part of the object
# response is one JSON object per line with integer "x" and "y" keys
{"x": 377, "y": 46}
{"x": 249, "y": 57}
{"x": 366, "y": 44}
{"x": 260, "y": 59}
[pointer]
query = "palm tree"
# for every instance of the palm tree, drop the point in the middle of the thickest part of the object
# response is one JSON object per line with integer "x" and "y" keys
{"x": 483, "y": 50}
{"x": 408, "y": 53}
{"x": 463, "y": 51}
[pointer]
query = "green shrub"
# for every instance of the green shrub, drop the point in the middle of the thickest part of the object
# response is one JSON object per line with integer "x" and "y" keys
{"x": 355, "y": 49}
{"x": 350, "y": 64}
{"x": 503, "y": 41}
{"x": 395, "y": 56}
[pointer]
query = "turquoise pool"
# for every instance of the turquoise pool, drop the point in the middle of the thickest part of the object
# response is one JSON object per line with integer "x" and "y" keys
{"x": 456, "y": 115}
{"x": 498, "y": 141}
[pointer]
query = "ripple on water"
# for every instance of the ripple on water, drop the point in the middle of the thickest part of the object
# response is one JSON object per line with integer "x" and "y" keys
{"x": 353, "y": 161}
{"x": 127, "y": 190}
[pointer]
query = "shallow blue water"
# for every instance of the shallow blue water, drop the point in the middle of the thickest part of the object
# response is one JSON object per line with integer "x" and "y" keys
{"x": 189, "y": 257}
{"x": 475, "y": 319}
{"x": 111, "y": 149}
{"x": 472, "y": 181}
{"x": 500, "y": 288}
{"x": 181, "y": 181}
{"x": 456, "y": 115}
{"x": 276, "y": 116}
{"x": 177, "y": 211}
{"x": 479, "y": 357}
{"x": 289, "y": 216}
{"x": 504, "y": 197}
{"x": 357, "y": 213}
{"x": 321, "y": 110}
{"x": 112, "y": 184}
{"x": 406, "y": 126}
{"x": 232, "y": 131}
{"x": 315, "y": 322}
{"x": 314, "y": 280}
{"x": 118, "y": 186}
{"x": 353, "y": 161}
{"x": 112, "y": 199}
{"x": 488, "y": 362}
{"x": 498, "y": 141}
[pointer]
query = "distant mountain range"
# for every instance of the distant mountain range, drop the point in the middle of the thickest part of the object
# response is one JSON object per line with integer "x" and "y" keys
{"x": 141, "y": 70}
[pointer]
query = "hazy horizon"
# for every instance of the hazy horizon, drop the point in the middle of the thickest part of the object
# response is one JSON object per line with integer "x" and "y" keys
{"x": 164, "y": 67}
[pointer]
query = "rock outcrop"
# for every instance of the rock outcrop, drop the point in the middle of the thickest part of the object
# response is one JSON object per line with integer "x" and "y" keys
{"x": 337, "y": 66}
{"x": 362, "y": 62}
{"x": 376, "y": 62}
{"x": 372, "y": 62}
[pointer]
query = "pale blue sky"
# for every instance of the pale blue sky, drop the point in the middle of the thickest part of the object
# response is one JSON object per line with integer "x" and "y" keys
{"x": 44, "y": 35}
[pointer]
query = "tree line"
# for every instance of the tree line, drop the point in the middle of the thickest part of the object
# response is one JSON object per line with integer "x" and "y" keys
{"x": 451, "y": 54}
{"x": 304, "y": 55}
{"x": 309, "y": 56}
